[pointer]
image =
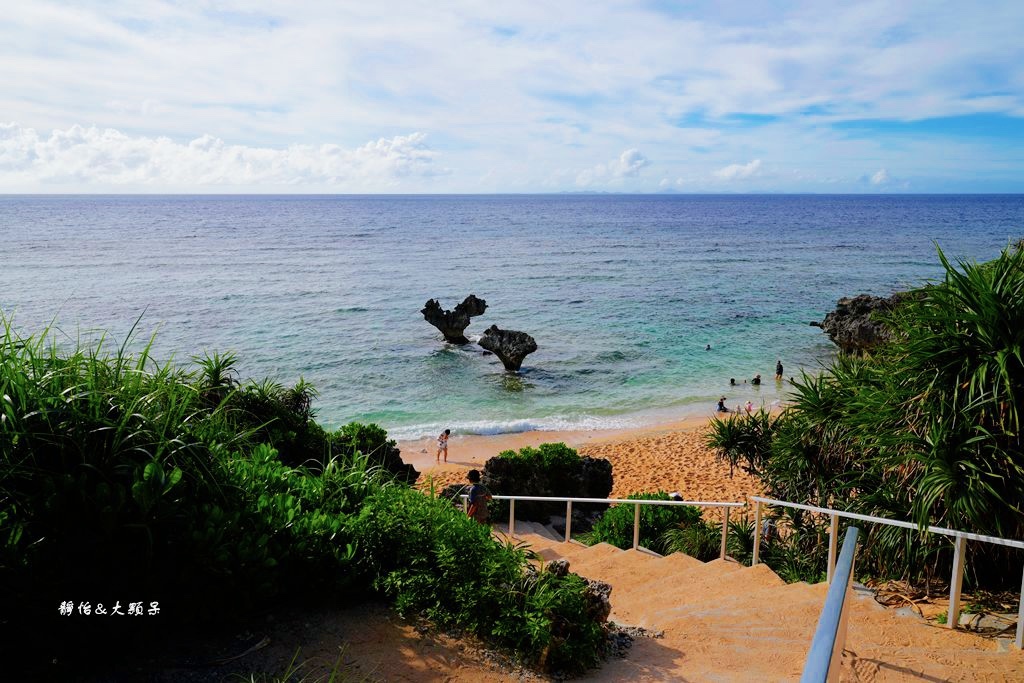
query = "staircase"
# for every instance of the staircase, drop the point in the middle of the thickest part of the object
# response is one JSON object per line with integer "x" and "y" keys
{"x": 723, "y": 621}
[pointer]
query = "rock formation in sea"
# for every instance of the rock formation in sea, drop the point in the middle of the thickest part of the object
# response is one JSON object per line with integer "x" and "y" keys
{"x": 453, "y": 324}
{"x": 508, "y": 345}
{"x": 855, "y": 325}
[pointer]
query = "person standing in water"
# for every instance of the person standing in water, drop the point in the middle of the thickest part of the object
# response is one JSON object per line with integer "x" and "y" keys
{"x": 442, "y": 445}
{"x": 778, "y": 370}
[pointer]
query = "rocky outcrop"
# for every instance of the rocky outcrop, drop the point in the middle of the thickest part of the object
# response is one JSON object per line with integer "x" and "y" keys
{"x": 390, "y": 460}
{"x": 855, "y": 326}
{"x": 597, "y": 600}
{"x": 453, "y": 324}
{"x": 508, "y": 345}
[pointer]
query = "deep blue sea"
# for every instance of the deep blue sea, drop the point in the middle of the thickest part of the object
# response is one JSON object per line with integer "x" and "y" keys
{"x": 622, "y": 293}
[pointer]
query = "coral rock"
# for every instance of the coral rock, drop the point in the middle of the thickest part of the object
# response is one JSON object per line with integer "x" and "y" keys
{"x": 453, "y": 324}
{"x": 508, "y": 345}
{"x": 855, "y": 325}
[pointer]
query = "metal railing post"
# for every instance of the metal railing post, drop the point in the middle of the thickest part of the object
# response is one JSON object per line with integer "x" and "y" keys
{"x": 512, "y": 518}
{"x": 956, "y": 582}
{"x": 757, "y": 534}
{"x": 833, "y": 543}
{"x": 824, "y": 660}
{"x": 568, "y": 520}
{"x": 636, "y": 526}
{"x": 725, "y": 532}
{"x": 1019, "y": 641}
{"x": 841, "y": 631}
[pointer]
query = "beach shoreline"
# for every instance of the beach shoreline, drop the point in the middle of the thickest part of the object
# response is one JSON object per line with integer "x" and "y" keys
{"x": 669, "y": 456}
{"x": 473, "y": 450}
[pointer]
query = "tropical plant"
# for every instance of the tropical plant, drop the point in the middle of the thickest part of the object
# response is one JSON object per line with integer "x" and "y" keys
{"x": 120, "y": 476}
{"x": 433, "y": 560}
{"x": 926, "y": 428}
{"x": 616, "y": 524}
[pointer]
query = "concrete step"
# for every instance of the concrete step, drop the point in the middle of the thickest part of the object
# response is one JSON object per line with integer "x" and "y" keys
{"x": 607, "y": 566}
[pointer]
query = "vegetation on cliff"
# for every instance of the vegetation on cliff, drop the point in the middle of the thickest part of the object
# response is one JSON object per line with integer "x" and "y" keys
{"x": 183, "y": 493}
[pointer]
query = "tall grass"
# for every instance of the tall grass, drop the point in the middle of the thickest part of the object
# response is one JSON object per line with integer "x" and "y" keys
{"x": 122, "y": 479}
{"x": 126, "y": 480}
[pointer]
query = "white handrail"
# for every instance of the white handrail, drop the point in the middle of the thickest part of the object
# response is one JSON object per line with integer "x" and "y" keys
{"x": 562, "y": 499}
{"x": 568, "y": 500}
{"x": 894, "y": 522}
{"x": 824, "y": 658}
{"x": 960, "y": 539}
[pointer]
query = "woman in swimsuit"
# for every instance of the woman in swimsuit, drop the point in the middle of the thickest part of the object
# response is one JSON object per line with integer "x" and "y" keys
{"x": 442, "y": 444}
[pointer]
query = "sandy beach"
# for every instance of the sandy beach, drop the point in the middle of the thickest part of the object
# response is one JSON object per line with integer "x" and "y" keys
{"x": 668, "y": 456}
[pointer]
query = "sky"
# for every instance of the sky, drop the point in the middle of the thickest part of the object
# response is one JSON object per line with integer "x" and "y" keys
{"x": 468, "y": 96}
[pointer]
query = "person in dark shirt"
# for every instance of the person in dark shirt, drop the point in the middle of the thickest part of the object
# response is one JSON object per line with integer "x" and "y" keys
{"x": 778, "y": 370}
{"x": 479, "y": 496}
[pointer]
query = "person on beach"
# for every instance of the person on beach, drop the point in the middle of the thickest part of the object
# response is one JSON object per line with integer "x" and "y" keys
{"x": 778, "y": 370}
{"x": 756, "y": 381}
{"x": 442, "y": 445}
{"x": 479, "y": 496}
{"x": 750, "y": 407}
{"x": 721, "y": 405}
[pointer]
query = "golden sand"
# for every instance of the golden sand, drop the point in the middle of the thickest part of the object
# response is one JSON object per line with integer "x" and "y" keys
{"x": 670, "y": 457}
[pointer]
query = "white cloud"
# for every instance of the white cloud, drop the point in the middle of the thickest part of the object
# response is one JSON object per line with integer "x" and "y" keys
{"x": 881, "y": 177}
{"x": 91, "y": 156}
{"x": 739, "y": 171}
{"x": 628, "y": 165}
{"x": 527, "y": 88}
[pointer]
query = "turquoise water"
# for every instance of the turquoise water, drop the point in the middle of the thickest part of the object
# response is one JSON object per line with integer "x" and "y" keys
{"x": 622, "y": 293}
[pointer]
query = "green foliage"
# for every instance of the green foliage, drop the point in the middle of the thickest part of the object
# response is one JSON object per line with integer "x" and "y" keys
{"x": 550, "y": 470}
{"x": 545, "y": 456}
{"x": 743, "y": 440}
{"x": 616, "y": 524}
{"x": 698, "y": 539}
{"x": 124, "y": 479}
{"x": 431, "y": 559}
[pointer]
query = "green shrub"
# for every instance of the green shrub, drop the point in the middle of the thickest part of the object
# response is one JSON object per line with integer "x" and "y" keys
{"x": 698, "y": 539}
{"x": 616, "y": 524}
{"x": 124, "y": 479}
{"x": 548, "y": 456}
{"x": 551, "y": 469}
{"x": 431, "y": 559}
{"x": 743, "y": 440}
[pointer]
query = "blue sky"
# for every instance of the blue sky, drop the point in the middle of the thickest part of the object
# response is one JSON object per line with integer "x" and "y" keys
{"x": 393, "y": 96}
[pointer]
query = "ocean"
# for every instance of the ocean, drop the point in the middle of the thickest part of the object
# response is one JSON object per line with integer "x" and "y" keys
{"x": 622, "y": 293}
